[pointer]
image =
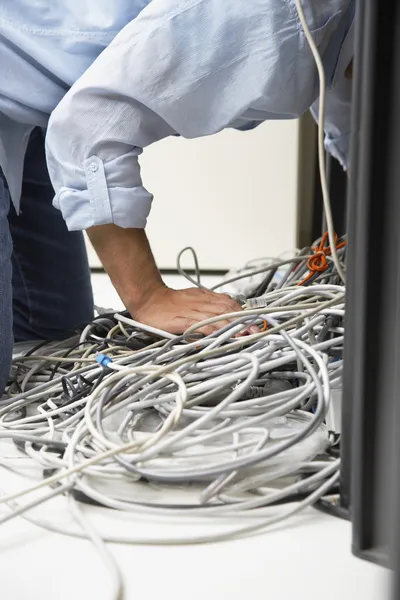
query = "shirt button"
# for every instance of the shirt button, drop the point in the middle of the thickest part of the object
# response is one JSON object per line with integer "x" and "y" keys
{"x": 93, "y": 167}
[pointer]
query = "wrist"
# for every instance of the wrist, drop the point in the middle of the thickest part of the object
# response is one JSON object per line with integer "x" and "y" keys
{"x": 138, "y": 297}
{"x": 127, "y": 258}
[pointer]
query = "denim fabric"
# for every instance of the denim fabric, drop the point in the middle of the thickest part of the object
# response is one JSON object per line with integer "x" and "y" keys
{"x": 52, "y": 292}
{"x": 6, "y": 318}
{"x": 44, "y": 271}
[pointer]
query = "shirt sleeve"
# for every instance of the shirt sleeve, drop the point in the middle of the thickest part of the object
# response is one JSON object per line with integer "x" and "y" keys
{"x": 338, "y": 103}
{"x": 190, "y": 68}
{"x": 337, "y": 121}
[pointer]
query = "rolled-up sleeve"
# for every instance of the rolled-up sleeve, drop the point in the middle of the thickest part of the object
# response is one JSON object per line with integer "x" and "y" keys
{"x": 338, "y": 110}
{"x": 190, "y": 68}
{"x": 338, "y": 101}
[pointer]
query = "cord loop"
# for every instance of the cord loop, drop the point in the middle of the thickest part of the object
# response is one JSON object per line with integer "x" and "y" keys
{"x": 318, "y": 263}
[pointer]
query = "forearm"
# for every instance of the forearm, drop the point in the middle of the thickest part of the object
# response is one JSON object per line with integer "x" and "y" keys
{"x": 127, "y": 258}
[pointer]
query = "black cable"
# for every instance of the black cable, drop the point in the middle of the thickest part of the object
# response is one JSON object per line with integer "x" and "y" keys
{"x": 264, "y": 284}
{"x": 30, "y": 352}
{"x": 130, "y": 344}
{"x": 332, "y": 508}
{"x": 58, "y": 365}
{"x": 53, "y": 445}
{"x": 38, "y": 347}
{"x": 332, "y": 321}
{"x": 334, "y": 448}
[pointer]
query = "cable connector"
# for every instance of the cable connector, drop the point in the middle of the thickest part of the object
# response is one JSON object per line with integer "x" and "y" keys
{"x": 240, "y": 298}
{"x": 260, "y": 302}
{"x": 103, "y": 360}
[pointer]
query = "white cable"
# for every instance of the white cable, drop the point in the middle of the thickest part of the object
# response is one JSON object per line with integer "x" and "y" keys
{"x": 99, "y": 544}
{"x": 191, "y": 538}
{"x": 148, "y": 328}
{"x": 127, "y": 447}
{"x": 181, "y": 413}
{"x": 321, "y": 138}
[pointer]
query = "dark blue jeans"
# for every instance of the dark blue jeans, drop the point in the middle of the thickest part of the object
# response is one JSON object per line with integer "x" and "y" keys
{"x": 45, "y": 289}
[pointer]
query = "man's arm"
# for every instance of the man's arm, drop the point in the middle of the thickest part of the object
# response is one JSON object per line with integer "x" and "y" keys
{"x": 127, "y": 257}
{"x": 178, "y": 68}
{"x": 191, "y": 68}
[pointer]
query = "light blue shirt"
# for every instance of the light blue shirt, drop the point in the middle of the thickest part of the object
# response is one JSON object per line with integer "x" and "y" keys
{"x": 141, "y": 71}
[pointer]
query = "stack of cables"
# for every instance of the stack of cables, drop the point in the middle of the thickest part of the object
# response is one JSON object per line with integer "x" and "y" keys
{"x": 226, "y": 431}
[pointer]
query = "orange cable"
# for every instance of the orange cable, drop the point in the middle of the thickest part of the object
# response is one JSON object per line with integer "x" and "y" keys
{"x": 317, "y": 263}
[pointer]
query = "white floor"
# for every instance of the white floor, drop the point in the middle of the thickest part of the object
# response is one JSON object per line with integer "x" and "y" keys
{"x": 308, "y": 559}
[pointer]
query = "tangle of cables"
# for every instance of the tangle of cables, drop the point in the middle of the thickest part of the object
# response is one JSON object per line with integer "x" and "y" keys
{"x": 231, "y": 428}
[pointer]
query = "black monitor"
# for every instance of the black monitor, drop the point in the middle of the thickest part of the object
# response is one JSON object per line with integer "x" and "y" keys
{"x": 371, "y": 394}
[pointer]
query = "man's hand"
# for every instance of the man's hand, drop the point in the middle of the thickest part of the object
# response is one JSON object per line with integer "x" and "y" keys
{"x": 127, "y": 257}
{"x": 177, "y": 310}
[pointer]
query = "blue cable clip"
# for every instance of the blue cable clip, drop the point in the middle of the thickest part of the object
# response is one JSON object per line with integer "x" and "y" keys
{"x": 103, "y": 360}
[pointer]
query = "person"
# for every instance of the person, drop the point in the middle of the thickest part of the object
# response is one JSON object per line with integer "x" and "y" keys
{"x": 106, "y": 79}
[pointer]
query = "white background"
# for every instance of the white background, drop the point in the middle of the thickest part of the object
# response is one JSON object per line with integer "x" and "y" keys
{"x": 233, "y": 196}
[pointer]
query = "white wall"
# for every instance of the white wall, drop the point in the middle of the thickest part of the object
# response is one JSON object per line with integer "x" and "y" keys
{"x": 231, "y": 196}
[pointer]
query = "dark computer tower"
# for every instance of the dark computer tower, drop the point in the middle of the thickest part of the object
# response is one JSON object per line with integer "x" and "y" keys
{"x": 371, "y": 395}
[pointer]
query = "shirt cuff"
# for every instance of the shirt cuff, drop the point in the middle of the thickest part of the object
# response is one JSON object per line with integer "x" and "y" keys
{"x": 101, "y": 202}
{"x": 338, "y": 147}
{"x": 337, "y": 120}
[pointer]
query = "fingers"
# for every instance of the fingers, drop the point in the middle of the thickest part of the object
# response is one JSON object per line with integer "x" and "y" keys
{"x": 177, "y": 311}
{"x": 254, "y": 329}
{"x": 207, "y": 330}
{"x": 222, "y": 303}
{"x": 203, "y": 305}
{"x": 215, "y": 304}
{"x": 183, "y": 324}
{"x": 194, "y": 319}
{"x": 248, "y": 330}
{"x": 225, "y": 303}
{"x": 198, "y": 317}
{"x": 218, "y": 325}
